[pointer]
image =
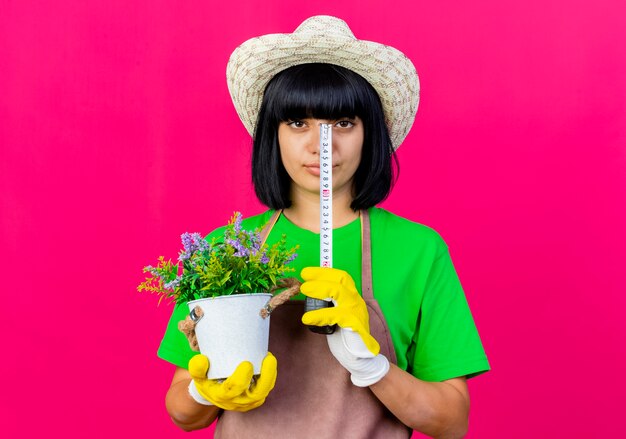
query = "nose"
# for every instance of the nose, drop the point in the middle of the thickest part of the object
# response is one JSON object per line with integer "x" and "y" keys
{"x": 321, "y": 135}
{"x": 313, "y": 136}
{"x": 314, "y": 140}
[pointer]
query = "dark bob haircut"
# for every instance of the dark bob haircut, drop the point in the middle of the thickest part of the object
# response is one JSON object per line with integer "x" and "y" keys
{"x": 321, "y": 91}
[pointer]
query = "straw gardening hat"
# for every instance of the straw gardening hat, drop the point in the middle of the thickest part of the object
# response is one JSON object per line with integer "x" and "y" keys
{"x": 324, "y": 39}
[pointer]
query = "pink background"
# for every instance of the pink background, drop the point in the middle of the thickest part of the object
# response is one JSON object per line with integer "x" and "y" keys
{"x": 117, "y": 134}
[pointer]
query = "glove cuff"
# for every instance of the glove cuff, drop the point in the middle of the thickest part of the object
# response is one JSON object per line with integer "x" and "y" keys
{"x": 193, "y": 391}
{"x": 375, "y": 371}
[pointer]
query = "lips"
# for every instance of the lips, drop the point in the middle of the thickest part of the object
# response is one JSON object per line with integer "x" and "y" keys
{"x": 317, "y": 165}
{"x": 313, "y": 168}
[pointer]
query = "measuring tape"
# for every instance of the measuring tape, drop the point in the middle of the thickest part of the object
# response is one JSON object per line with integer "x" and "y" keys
{"x": 326, "y": 195}
{"x": 326, "y": 217}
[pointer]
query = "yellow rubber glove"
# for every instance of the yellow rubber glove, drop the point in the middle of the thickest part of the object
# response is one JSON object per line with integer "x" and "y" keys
{"x": 238, "y": 392}
{"x": 349, "y": 311}
{"x": 351, "y": 345}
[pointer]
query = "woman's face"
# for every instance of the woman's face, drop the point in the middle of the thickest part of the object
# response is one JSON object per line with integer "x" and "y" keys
{"x": 299, "y": 142}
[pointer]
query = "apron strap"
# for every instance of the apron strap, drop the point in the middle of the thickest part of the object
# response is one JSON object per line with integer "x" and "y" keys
{"x": 270, "y": 225}
{"x": 366, "y": 256}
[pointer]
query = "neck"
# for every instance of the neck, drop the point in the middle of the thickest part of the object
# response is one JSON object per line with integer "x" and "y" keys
{"x": 305, "y": 210}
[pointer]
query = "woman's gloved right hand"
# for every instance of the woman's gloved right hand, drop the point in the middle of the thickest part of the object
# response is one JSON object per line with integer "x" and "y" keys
{"x": 238, "y": 392}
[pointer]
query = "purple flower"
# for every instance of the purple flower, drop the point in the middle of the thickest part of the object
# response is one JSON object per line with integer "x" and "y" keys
{"x": 265, "y": 259}
{"x": 192, "y": 242}
{"x": 203, "y": 245}
{"x": 291, "y": 258}
{"x": 241, "y": 250}
{"x": 255, "y": 239}
{"x": 173, "y": 284}
{"x": 152, "y": 270}
{"x": 237, "y": 223}
{"x": 187, "y": 240}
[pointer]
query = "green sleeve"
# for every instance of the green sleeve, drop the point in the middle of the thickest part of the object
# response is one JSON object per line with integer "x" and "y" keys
{"x": 174, "y": 347}
{"x": 446, "y": 343}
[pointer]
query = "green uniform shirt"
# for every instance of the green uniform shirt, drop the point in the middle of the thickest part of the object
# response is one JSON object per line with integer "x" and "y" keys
{"x": 414, "y": 282}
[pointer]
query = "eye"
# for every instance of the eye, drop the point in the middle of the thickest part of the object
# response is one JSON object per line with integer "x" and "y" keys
{"x": 346, "y": 123}
{"x": 296, "y": 124}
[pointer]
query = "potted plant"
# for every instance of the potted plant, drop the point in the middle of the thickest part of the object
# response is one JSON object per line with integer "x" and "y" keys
{"x": 225, "y": 283}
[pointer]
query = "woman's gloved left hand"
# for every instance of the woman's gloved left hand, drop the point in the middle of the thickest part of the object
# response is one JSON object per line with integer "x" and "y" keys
{"x": 352, "y": 344}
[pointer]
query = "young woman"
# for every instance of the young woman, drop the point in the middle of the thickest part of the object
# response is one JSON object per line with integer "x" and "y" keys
{"x": 405, "y": 341}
